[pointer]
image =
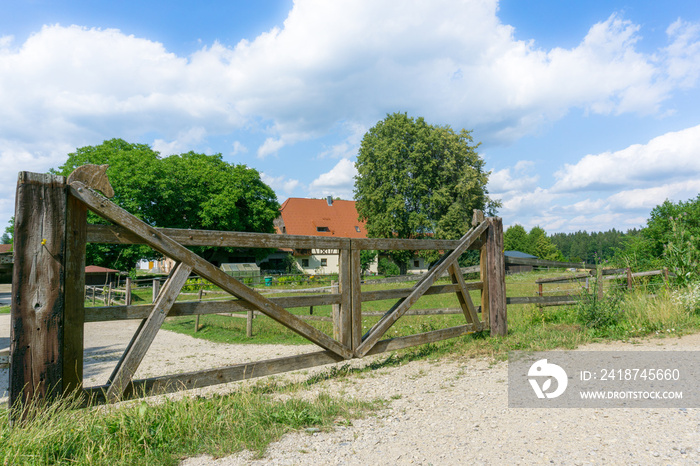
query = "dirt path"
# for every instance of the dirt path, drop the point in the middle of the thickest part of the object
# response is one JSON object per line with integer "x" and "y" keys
{"x": 439, "y": 412}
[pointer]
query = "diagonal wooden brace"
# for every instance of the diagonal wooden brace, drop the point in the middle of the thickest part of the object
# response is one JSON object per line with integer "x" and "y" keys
{"x": 144, "y": 336}
{"x": 465, "y": 301}
{"x": 171, "y": 248}
{"x": 373, "y": 336}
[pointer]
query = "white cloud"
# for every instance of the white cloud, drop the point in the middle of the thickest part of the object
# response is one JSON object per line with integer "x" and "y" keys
{"x": 502, "y": 182}
{"x": 239, "y": 148}
{"x": 339, "y": 181}
{"x": 270, "y": 146}
{"x": 669, "y": 157}
{"x": 183, "y": 143}
{"x": 341, "y": 64}
{"x": 280, "y": 183}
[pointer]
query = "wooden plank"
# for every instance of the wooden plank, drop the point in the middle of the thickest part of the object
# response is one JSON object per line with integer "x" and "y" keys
{"x": 563, "y": 279}
{"x": 409, "y": 244}
{"x": 38, "y": 284}
{"x": 498, "y": 317}
{"x": 540, "y": 299}
{"x": 134, "y": 355}
{"x": 356, "y": 287}
{"x": 193, "y": 308}
{"x": 398, "y": 343}
{"x": 397, "y": 311}
{"x": 379, "y": 295}
{"x": 544, "y": 263}
{"x": 74, "y": 313}
{"x": 171, "y": 248}
{"x": 422, "y": 312}
{"x": 484, "y": 277}
{"x": 345, "y": 288}
{"x": 206, "y": 378}
{"x": 465, "y": 301}
{"x": 112, "y": 234}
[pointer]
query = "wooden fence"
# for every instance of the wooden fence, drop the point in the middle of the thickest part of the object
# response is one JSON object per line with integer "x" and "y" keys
{"x": 48, "y": 312}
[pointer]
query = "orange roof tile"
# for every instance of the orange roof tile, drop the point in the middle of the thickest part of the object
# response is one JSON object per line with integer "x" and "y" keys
{"x": 4, "y": 248}
{"x": 98, "y": 269}
{"x": 310, "y": 216}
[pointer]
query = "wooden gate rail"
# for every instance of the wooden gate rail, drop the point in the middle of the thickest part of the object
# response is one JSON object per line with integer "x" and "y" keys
{"x": 48, "y": 312}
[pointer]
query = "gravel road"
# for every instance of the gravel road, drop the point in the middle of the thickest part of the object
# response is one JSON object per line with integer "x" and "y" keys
{"x": 450, "y": 411}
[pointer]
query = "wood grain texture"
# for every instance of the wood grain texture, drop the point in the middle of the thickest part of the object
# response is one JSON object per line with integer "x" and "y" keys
{"x": 38, "y": 284}
{"x": 376, "y": 332}
{"x": 192, "y": 308}
{"x": 465, "y": 300}
{"x": 356, "y": 324}
{"x": 167, "y": 246}
{"x": 147, "y": 333}
{"x": 206, "y": 378}
{"x": 498, "y": 314}
{"x": 74, "y": 309}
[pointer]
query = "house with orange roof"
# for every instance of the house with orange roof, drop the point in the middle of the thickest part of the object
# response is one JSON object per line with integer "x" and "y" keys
{"x": 320, "y": 217}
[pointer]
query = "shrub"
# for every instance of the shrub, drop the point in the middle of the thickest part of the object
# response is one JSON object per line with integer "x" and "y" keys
{"x": 387, "y": 268}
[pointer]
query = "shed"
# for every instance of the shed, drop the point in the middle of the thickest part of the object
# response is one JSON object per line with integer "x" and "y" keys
{"x": 248, "y": 273}
{"x": 97, "y": 276}
{"x": 513, "y": 268}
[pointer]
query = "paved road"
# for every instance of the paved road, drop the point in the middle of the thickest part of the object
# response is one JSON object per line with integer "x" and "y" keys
{"x": 5, "y": 294}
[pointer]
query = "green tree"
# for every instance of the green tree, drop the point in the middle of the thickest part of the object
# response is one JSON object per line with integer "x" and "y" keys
{"x": 181, "y": 191}
{"x": 515, "y": 239}
{"x": 416, "y": 180}
{"x": 541, "y": 246}
{"x": 9, "y": 236}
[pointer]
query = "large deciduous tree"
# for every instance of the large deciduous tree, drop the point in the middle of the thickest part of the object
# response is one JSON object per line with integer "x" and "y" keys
{"x": 416, "y": 180}
{"x": 180, "y": 191}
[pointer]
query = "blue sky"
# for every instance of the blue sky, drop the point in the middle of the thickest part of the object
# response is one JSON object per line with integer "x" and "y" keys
{"x": 587, "y": 112}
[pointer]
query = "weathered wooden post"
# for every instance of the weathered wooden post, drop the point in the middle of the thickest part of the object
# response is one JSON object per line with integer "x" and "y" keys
{"x": 48, "y": 286}
{"x": 196, "y": 319}
{"x": 127, "y": 299}
{"x": 156, "y": 289}
{"x": 342, "y": 322}
{"x": 496, "y": 278}
{"x": 599, "y": 281}
{"x": 629, "y": 278}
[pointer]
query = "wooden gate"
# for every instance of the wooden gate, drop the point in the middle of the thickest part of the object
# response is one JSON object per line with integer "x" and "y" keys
{"x": 48, "y": 313}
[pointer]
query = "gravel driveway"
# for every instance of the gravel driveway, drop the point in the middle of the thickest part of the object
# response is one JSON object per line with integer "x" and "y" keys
{"x": 439, "y": 412}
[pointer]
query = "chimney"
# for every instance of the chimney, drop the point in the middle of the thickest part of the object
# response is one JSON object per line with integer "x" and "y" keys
{"x": 329, "y": 200}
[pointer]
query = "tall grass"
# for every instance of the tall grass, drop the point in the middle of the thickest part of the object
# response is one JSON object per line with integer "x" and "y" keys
{"x": 166, "y": 432}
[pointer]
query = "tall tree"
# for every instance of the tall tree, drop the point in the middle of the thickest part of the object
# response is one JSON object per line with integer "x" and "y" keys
{"x": 416, "y": 180}
{"x": 515, "y": 239}
{"x": 181, "y": 191}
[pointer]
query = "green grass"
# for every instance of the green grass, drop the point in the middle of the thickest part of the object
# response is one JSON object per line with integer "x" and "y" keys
{"x": 164, "y": 433}
{"x": 529, "y": 328}
{"x": 4, "y": 309}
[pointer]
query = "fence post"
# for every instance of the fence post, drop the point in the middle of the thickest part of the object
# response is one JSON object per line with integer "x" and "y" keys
{"x": 109, "y": 294}
{"x": 156, "y": 289}
{"x": 498, "y": 314}
{"x": 599, "y": 280}
{"x": 356, "y": 272}
{"x": 629, "y": 278}
{"x": 127, "y": 298}
{"x": 342, "y": 326}
{"x": 196, "y": 319}
{"x": 47, "y": 290}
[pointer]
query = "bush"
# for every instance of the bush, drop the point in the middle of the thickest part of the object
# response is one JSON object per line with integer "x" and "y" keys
{"x": 597, "y": 313}
{"x": 387, "y": 268}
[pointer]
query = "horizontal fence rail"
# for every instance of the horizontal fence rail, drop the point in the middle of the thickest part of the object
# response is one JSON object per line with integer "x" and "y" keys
{"x": 57, "y": 357}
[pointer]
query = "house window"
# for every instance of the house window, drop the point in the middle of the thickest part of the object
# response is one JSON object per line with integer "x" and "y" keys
{"x": 416, "y": 263}
{"x": 357, "y": 229}
{"x": 324, "y": 262}
{"x": 305, "y": 262}
{"x": 322, "y": 229}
